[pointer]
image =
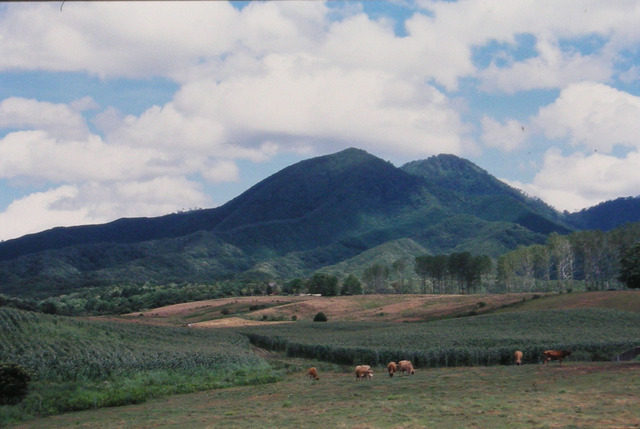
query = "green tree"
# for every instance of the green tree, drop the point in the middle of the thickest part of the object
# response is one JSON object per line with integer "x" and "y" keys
{"x": 352, "y": 286}
{"x": 293, "y": 286}
{"x": 630, "y": 267}
{"x": 423, "y": 269}
{"x": 324, "y": 284}
{"x": 14, "y": 383}
{"x": 399, "y": 268}
{"x": 376, "y": 278}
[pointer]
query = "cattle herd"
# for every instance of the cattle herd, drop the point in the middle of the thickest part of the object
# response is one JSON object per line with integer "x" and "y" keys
{"x": 364, "y": 372}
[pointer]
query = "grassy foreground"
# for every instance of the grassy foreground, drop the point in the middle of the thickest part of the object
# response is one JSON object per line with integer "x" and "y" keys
{"x": 602, "y": 395}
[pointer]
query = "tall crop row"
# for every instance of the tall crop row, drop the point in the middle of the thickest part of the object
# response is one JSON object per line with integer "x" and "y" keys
{"x": 65, "y": 349}
{"x": 482, "y": 340}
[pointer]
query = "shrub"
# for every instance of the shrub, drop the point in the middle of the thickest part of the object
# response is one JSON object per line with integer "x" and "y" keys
{"x": 14, "y": 383}
{"x": 320, "y": 317}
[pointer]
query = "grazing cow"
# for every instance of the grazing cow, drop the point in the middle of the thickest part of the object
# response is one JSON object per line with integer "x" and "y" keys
{"x": 313, "y": 373}
{"x": 392, "y": 368}
{"x": 363, "y": 372}
{"x": 558, "y": 355}
{"x": 405, "y": 366}
{"x": 518, "y": 357}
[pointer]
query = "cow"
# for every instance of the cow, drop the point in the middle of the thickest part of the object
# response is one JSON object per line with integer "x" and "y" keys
{"x": 518, "y": 357}
{"x": 558, "y": 355}
{"x": 392, "y": 368}
{"x": 363, "y": 372}
{"x": 405, "y": 366}
{"x": 313, "y": 373}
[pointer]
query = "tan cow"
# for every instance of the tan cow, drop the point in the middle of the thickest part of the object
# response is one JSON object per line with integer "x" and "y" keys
{"x": 363, "y": 372}
{"x": 518, "y": 357}
{"x": 392, "y": 368}
{"x": 313, "y": 373}
{"x": 406, "y": 366}
{"x": 558, "y": 355}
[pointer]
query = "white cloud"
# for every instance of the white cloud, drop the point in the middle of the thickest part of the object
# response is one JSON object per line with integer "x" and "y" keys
{"x": 95, "y": 202}
{"x": 58, "y": 119}
{"x": 577, "y": 181}
{"x": 594, "y": 115}
{"x": 303, "y": 77}
{"x": 508, "y": 137}
{"x": 35, "y": 213}
{"x": 552, "y": 68}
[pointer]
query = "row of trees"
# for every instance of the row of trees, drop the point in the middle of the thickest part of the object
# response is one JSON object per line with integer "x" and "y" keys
{"x": 588, "y": 260}
{"x": 454, "y": 273}
{"x": 593, "y": 259}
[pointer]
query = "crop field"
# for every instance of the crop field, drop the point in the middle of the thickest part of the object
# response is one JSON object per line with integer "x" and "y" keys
{"x": 78, "y": 364}
{"x": 592, "y": 334}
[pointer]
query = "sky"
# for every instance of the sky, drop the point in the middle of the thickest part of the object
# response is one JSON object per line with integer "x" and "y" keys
{"x": 136, "y": 109}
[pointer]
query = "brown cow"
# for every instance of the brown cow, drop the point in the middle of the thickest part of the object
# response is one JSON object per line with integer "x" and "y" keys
{"x": 392, "y": 368}
{"x": 313, "y": 373}
{"x": 363, "y": 372}
{"x": 405, "y": 366}
{"x": 518, "y": 357}
{"x": 558, "y": 355}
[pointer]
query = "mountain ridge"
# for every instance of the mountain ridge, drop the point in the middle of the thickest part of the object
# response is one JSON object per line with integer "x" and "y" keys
{"x": 313, "y": 214}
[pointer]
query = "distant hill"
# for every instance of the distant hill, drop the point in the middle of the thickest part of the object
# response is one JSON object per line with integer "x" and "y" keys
{"x": 329, "y": 211}
{"x": 607, "y": 215}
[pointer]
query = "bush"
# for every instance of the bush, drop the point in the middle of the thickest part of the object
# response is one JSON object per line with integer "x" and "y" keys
{"x": 14, "y": 383}
{"x": 320, "y": 317}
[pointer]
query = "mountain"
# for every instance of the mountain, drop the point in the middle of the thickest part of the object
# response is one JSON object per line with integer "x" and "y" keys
{"x": 317, "y": 213}
{"x": 607, "y": 215}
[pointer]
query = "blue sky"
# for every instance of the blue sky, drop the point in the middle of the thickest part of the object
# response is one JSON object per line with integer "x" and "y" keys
{"x": 125, "y": 109}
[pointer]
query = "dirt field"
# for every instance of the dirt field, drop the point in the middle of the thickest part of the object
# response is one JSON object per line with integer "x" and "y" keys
{"x": 268, "y": 309}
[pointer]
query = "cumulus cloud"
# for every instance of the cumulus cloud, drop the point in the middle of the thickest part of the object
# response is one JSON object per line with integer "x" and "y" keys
{"x": 594, "y": 115}
{"x": 36, "y": 212}
{"x": 58, "y": 119}
{"x": 99, "y": 202}
{"x": 272, "y": 78}
{"x": 552, "y": 68}
{"x": 577, "y": 181}
{"x": 508, "y": 136}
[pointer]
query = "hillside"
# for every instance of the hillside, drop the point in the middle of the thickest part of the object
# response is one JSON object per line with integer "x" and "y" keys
{"x": 329, "y": 211}
{"x": 606, "y": 216}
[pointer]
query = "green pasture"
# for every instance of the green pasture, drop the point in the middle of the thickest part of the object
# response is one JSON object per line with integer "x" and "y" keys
{"x": 574, "y": 395}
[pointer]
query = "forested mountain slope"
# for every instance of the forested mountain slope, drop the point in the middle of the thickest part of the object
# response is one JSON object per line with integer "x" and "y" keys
{"x": 316, "y": 213}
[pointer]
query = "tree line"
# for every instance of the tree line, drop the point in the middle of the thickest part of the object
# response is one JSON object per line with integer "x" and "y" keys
{"x": 586, "y": 260}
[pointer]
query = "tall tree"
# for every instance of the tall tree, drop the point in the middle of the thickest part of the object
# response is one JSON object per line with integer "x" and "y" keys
{"x": 564, "y": 257}
{"x": 352, "y": 286}
{"x": 630, "y": 267}
{"x": 376, "y": 278}
{"x": 423, "y": 269}
{"x": 324, "y": 284}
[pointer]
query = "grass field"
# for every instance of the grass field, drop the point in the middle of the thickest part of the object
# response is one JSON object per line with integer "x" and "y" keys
{"x": 575, "y": 395}
{"x": 154, "y": 357}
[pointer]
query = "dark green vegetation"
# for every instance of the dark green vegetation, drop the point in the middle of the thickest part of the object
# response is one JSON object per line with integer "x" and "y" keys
{"x": 592, "y": 335}
{"x": 310, "y": 216}
{"x": 80, "y": 364}
{"x": 630, "y": 267}
{"x": 14, "y": 383}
